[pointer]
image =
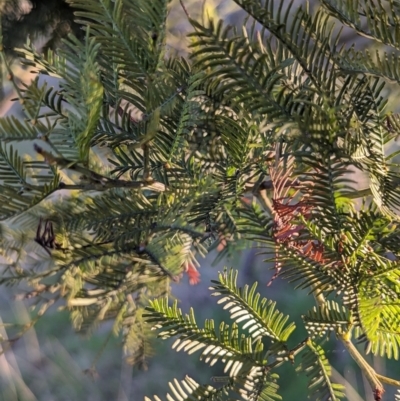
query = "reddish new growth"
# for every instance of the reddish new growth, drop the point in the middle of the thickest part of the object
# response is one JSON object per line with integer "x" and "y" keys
{"x": 193, "y": 274}
{"x": 378, "y": 393}
{"x": 286, "y": 231}
{"x": 286, "y": 228}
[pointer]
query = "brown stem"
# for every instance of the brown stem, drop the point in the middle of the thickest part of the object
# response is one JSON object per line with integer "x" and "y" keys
{"x": 184, "y": 9}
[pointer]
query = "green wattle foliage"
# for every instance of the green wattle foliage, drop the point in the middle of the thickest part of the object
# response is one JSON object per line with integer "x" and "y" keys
{"x": 142, "y": 162}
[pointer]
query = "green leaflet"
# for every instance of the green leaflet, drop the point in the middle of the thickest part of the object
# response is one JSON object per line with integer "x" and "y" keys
{"x": 275, "y": 136}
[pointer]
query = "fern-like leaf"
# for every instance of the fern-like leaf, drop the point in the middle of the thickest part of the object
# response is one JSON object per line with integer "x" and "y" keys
{"x": 259, "y": 316}
{"x": 316, "y": 366}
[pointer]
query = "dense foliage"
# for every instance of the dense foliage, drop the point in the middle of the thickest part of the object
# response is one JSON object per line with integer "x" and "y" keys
{"x": 142, "y": 162}
{"x": 50, "y": 19}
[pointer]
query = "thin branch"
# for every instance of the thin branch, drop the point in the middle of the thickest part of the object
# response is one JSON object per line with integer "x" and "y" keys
{"x": 184, "y": 9}
{"x": 96, "y": 181}
{"x": 93, "y": 186}
{"x": 388, "y": 380}
{"x": 368, "y": 371}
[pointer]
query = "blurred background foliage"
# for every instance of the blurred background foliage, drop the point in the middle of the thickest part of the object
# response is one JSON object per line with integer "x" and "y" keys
{"x": 51, "y": 362}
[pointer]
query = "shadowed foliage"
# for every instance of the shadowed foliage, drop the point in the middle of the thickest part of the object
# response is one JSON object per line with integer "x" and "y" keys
{"x": 143, "y": 162}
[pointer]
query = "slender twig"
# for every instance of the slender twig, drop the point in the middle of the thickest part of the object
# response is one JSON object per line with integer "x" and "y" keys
{"x": 188, "y": 15}
{"x": 368, "y": 371}
{"x": 96, "y": 181}
{"x": 184, "y": 9}
{"x": 370, "y": 374}
{"x": 146, "y": 162}
{"x": 388, "y": 380}
{"x": 359, "y": 193}
{"x": 93, "y": 186}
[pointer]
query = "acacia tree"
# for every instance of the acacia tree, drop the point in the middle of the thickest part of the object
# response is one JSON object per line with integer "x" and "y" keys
{"x": 253, "y": 138}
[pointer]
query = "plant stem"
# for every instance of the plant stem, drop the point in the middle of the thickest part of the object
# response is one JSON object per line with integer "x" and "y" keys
{"x": 388, "y": 380}
{"x": 369, "y": 372}
{"x": 94, "y": 186}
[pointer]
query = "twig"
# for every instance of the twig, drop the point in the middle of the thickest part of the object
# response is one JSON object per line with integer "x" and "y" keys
{"x": 388, "y": 380}
{"x": 96, "y": 181}
{"x": 369, "y": 372}
{"x": 93, "y": 186}
{"x": 184, "y": 9}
